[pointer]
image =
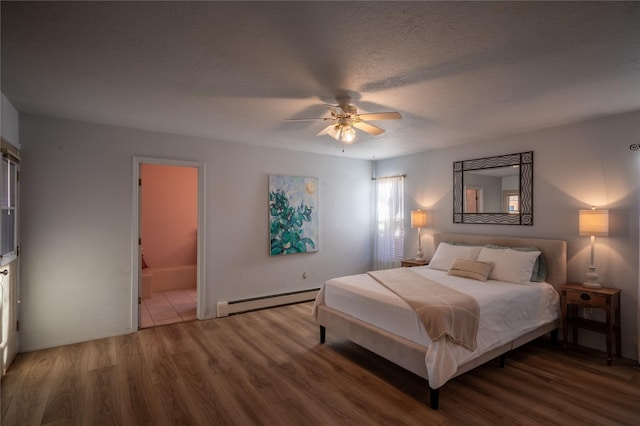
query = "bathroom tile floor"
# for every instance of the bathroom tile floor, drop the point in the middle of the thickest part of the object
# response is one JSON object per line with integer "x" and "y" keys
{"x": 169, "y": 307}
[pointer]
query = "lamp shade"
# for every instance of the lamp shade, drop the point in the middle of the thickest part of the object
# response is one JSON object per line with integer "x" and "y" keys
{"x": 594, "y": 223}
{"x": 418, "y": 218}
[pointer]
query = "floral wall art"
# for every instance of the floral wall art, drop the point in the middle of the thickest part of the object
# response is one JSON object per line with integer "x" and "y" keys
{"x": 293, "y": 214}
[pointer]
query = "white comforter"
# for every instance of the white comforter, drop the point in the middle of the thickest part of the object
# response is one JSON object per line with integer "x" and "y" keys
{"x": 507, "y": 311}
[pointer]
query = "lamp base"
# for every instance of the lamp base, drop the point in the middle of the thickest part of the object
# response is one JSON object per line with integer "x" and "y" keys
{"x": 592, "y": 278}
{"x": 419, "y": 254}
{"x": 591, "y": 285}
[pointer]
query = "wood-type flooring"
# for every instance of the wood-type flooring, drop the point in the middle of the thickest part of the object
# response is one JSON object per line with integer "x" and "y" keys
{"x": 268, "y": 368}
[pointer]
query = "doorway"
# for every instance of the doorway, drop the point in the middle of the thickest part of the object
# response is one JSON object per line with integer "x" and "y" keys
{"x": 473, "y": 200}
{"x": 168, "y": 242}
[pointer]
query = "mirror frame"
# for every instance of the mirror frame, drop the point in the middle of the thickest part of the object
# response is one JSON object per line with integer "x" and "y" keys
{"x": 524, "y": 217}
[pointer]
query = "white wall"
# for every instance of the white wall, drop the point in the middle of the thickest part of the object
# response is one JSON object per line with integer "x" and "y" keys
{"x": 575, "y": 167}
{"x": 76, "y": 224}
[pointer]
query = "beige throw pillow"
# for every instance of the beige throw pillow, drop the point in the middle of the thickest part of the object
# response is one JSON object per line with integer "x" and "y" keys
{"x": 470, "y": 269}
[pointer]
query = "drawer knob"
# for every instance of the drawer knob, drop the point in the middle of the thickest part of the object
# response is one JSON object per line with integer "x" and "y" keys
{"x": 585, "y": 296}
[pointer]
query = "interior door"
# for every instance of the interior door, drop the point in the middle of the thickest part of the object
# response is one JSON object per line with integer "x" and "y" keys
{"x": 471, "y": 200}
{"x": 139, "y": 246}
{"x": 9, "y": 252}
{"x": 8, "y": 315}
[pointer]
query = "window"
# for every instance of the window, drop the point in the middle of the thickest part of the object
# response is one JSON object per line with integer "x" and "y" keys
{"x": 511, "y": 201}
{"x": 389, "y": 236}
{"x": 8, "y": 203}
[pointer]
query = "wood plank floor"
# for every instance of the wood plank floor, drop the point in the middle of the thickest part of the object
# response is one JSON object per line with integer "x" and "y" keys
{"x": 267, "y": 368}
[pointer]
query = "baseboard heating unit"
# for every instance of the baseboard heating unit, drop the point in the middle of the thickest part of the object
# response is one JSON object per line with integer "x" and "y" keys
{"x": 227, "y": 308}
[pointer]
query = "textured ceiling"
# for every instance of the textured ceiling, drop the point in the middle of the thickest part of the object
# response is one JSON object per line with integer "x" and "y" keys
{"x": 458, "y": 72}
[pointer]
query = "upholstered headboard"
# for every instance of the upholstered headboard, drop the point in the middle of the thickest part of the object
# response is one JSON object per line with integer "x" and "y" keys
{"x": 554, "y": 251}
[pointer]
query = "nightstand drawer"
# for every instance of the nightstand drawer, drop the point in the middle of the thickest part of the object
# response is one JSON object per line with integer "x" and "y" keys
{"x": 585, "y": 298}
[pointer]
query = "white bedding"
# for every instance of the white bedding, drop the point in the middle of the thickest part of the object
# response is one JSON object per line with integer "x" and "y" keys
{"x": 507, "y": 311}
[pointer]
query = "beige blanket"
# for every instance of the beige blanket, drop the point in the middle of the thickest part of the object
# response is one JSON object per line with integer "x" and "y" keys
{"x": 443, "y": 311}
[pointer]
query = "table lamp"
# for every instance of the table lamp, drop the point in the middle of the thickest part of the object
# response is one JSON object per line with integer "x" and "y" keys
{"x": 593, "y": 223}
{"x": 419, "y": 220}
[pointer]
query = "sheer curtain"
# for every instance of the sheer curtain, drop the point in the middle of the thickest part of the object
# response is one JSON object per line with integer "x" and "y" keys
{"x": 389, "y": 232}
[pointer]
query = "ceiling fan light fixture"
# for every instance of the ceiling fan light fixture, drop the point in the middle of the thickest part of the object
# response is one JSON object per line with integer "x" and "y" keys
{"x": 335, "y": 131}
{"x": 348, "y": 134}
{"x": 342, "y": 133}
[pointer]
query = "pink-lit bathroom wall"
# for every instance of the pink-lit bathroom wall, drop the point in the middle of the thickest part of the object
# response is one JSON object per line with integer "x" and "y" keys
{"x": 169, "y": 215}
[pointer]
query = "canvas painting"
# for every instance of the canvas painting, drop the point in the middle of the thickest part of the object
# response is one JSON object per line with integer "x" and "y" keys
{"x": 293, "y": 214}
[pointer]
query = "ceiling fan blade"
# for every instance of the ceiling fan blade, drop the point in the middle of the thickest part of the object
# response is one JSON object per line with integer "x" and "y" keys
{"x": 325, "y": 130}
{"x": 366, "y": 127}
{"x": 332, "y": 110}
{"x": 310, "y": 119}
{"x": 381, "y": 116}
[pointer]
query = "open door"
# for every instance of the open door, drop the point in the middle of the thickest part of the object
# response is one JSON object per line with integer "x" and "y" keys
{"x": 9, "y": 256}
{"x": 8, "y": 315}
{"x": 473, "y": 200}
{"x": 140, "y": 260}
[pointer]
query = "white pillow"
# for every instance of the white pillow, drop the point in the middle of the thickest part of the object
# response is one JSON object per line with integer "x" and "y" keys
{"x": 509, "y": 265}
{"x": 446, "y": 253}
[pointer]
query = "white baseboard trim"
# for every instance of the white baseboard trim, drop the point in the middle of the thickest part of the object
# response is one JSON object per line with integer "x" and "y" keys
{"x": 226, "y": 308}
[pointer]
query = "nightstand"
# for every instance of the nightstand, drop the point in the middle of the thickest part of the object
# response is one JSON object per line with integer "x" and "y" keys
{"x": 608, "y": 299}
{"x": 408, "y": 263}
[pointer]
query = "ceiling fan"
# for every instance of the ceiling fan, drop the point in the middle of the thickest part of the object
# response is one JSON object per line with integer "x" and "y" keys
{"x": 345, "y": 120}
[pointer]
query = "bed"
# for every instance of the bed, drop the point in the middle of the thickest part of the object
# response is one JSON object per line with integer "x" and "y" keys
{"x": 364, "y": 310}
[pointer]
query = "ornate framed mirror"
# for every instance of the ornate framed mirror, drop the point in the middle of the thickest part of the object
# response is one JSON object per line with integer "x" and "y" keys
{"x": 494, "y": 190}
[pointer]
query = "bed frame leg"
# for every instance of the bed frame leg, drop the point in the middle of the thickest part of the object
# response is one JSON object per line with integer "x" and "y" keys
{"x": 434, "y": 398}
{"x": 323, "y": 333}
{"x": 554, "y": 337}
{"x": 503, "y": 359}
